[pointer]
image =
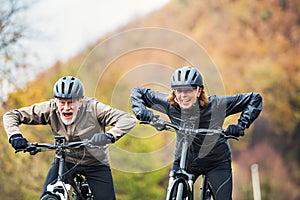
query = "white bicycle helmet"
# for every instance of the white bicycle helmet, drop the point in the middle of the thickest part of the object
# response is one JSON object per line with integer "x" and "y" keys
{"x": 186, "y": 77}
{"x": 68, "y": 87}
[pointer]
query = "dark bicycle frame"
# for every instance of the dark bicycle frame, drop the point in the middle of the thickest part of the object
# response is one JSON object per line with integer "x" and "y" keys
{"x": 58, "y": 190}
{"x": 181, "y": 183}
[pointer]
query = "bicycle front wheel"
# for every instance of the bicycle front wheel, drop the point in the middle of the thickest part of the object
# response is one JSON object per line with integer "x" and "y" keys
{"x": 50, "y": 197}
{"x": 208, "y": 195}
{"x": 180, "y": 191}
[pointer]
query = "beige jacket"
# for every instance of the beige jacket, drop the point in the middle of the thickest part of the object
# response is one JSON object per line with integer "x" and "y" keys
{"x": 93, "y": 117}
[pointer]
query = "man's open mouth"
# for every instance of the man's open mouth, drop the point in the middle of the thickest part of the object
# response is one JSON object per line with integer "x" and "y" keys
{"x": 67, "y": 115}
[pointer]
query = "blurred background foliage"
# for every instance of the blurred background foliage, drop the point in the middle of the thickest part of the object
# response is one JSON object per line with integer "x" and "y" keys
{"x": 255, "y": 46}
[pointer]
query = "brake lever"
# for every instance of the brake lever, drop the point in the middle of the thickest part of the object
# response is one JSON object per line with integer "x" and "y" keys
{"x": 158, "y": 125}
{"x": 92, "y": 146}
{"x": 18, "y": 150}
{"x": 231, "y": 137}
{"x": 144, "y": 122}
{"x": 31, "y": 149}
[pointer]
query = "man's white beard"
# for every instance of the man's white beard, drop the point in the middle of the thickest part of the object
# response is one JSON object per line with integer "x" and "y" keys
{"x": 69, "y": 122}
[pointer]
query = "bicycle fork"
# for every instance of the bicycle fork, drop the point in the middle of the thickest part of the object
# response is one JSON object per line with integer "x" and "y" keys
{"x": 178, "y": 181}
{"x": 181, "y": 179}
{"x": 59, "y": 187}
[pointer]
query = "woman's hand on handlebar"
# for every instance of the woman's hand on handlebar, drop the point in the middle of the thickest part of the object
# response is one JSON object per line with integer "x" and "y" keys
{"x": 145, "y": 115}
{"x": 234, "y": 130}
{"x": 157, "y": 123}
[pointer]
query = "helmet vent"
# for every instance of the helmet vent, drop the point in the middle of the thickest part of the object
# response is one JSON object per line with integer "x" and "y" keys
{"x": 70, "y": 88}
{"x": 77, "y": 90}
{"x": 63, "y": 87}
{"x": 194, "y": 77}
{"x": 187, "y": 75}
{"x": 179, "y": 76}
{"x": 56, "y": 88}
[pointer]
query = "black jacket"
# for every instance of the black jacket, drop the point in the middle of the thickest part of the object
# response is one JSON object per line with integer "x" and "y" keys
{"x": 203, "y": 151}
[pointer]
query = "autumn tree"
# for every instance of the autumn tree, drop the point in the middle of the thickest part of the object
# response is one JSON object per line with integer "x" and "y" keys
{"x": 12, "y": 31}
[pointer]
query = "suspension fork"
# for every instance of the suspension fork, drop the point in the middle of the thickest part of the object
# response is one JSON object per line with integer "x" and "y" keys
{"x": 184, "y": 160}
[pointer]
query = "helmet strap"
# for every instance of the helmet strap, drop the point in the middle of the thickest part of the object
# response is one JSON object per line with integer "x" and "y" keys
{"x": 196, "y": 99}
{"x": 175, "y": 99}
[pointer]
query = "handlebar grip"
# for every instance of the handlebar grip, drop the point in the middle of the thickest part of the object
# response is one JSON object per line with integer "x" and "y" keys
{"x": 35, "y": 151}
{"x": 25, "y": 149}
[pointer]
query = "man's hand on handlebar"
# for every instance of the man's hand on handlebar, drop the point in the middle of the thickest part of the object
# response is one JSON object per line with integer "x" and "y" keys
{"x": 102, "y": 139}
{"x": 17, "y": 141}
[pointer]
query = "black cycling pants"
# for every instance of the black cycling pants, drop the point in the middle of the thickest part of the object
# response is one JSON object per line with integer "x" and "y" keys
{"x": 220, "y": 180}
{"x": 99, "y": 179}
{"x": 221, "y": 183}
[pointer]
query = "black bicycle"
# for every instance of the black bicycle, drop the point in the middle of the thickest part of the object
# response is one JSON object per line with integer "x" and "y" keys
{"x": 181, "y": 183}
{"x": 75, "y": 189}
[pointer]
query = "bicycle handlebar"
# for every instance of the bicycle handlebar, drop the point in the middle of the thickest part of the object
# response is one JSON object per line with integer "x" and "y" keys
{"x": 34, "y": 148}
{"x": 161, "y": 125}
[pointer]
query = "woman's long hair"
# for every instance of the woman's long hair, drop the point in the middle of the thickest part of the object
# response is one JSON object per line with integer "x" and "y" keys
{"x": 202, "y": 99}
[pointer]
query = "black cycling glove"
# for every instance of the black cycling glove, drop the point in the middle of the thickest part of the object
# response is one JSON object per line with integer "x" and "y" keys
{"x": 101, "y": 139}
{"x": 17, "y": 141}
{"x": 145, "y": 115}
{"x": 235, "y": 130}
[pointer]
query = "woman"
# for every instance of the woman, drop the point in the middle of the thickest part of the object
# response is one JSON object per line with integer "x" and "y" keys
{"x": 189, "y": 106}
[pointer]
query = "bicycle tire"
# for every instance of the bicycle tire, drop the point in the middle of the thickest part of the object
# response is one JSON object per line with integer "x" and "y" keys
{"x": 206, "y": 193}
{"x": 50, "y": 197}
{"x": 208, "y": 196}
{"x": 179, "y": 193}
